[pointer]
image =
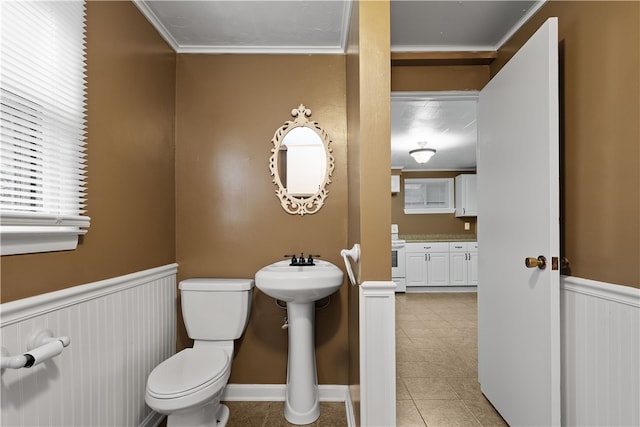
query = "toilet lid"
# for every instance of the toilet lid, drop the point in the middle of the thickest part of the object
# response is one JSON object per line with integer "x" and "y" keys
{"x": 187, "y": 372}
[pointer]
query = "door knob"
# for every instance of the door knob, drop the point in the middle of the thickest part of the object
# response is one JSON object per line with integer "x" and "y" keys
{"x": 540, "y": 262}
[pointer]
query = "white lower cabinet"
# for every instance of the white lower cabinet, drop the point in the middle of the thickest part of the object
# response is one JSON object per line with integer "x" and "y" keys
{"x": 464, "y": 263}
{"x": 442, "y": 264}
{"x": 427, "y": 264}
{"x": 473, "y": 266}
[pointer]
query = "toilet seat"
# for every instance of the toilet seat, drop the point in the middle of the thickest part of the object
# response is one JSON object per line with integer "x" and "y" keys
{"x": 189, "y": 372}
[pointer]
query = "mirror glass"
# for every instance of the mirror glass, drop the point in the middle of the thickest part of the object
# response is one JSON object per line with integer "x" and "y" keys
{"x": 305, "y": 162}
{"x": 301, "y": 163}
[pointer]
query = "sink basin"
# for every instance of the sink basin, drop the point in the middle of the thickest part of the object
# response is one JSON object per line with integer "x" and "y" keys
{"x": 299, "y": 283}
{"x": 300, "y": 287}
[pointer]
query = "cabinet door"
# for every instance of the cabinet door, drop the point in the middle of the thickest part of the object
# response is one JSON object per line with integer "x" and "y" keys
{"x": 459, "y": 267}
{"x": 438, "y": 269}
{"x": 416, "y": 269}
{"x": 473, "y": 269}
{"x": 466, "y": 195}
{"x": 471, "y": 198}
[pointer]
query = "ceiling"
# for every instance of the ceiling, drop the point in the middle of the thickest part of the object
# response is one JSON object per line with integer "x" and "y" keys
{"x": 444, "y": 121}
{"x": 321, "y": 27}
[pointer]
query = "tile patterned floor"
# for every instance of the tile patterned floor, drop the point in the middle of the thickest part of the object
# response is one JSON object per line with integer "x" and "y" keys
{"x": 436, "y": 369}
{"x": 437, "y": 362}
{"x": 271, "y": 414}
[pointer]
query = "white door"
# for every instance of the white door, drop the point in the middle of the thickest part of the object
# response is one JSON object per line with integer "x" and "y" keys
{"x": 518, "y": 195}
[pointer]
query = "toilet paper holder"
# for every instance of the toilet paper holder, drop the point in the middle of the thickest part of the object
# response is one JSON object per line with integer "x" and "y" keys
{"x": 42, "y": 345}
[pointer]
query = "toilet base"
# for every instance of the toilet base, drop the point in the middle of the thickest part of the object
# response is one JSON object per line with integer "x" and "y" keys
{"x": 223, "y": 415}
{"x": 204, "y": 416}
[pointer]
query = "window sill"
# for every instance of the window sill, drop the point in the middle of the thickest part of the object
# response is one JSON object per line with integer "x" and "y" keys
{"x": 429, "y": 211}
{"x": 24, "y": 234}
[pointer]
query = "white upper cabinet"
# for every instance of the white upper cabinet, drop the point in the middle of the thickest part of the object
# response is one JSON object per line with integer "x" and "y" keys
{"x": 395, "y": 184}
{"x": 466, "y": 195}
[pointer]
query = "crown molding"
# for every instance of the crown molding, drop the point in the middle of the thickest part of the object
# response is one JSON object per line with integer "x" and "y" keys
{"x": 153, "y": 19}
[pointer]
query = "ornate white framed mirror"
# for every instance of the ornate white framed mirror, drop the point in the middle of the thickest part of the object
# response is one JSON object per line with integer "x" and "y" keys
{"x": 301, "y": 163}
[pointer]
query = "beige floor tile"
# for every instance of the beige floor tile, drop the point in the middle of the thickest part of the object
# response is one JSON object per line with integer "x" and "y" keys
{"x": 401, "y": 390}
{"x": 445, "y": 413}
{"x": 332, "y": 414}
{"x": 485, "y": 412}
{"x": 268, "y": 414}
{"x": 421, "y": 333}
{"x": 429, "y": 388}
{"x": 429, "y": 342}
{"x": 429, "y": 316}
{"x": 407, "y": 415}
{"x": 465, "y": 388}
{"x": 407, "y": 353}
{"x": 400, "y": 317}
{"x": 400, "y": 334}
{"x": 469, "y": 315}
{"x": 462, "y": 323}
{"x": 437, "y": 365}
{"x": 247, "y": 414}
{"x": 451, "y": 369}
{"x": 413, "y": 323}
{"x": 403, "y": 341}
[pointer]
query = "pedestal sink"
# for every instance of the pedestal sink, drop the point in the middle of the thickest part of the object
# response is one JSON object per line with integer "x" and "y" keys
{"x": 300, "y": 287}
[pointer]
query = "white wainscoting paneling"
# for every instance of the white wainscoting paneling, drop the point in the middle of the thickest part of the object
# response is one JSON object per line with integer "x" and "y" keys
{"x": 120, "y": 329}
{"x": 377, "y": 354}
{"x": 600, "y": 353}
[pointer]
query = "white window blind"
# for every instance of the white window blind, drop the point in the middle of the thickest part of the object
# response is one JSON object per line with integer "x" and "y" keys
{"x": 42, "y": 120}
{"x": 428, "y": 195}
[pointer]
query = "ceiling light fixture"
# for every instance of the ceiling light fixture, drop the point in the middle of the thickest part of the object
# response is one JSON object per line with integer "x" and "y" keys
{"x": 422, "y": 155}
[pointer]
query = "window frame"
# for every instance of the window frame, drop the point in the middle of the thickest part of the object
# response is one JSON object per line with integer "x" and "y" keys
{"x": 424, "y": 182}
{"x": 41, "y": 211}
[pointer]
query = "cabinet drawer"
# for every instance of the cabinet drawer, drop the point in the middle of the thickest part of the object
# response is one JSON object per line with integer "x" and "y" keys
{"x": 428, "y": 247}
{"x": 458, "y": 247}
{"x": 472, "y": 246}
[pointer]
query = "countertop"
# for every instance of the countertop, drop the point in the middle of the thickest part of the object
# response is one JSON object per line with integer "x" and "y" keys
{"x": 410, "y": 238}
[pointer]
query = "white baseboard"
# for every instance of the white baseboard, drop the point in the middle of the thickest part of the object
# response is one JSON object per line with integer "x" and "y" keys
{"x": 276, "y": 393}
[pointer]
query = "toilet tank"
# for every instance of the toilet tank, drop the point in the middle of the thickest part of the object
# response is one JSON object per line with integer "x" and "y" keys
{"x": 215, "y": 309}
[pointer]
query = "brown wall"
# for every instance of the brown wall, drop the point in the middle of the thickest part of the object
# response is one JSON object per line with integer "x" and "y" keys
{"x": 428, "y": 223}
{"x": 130, "y": 164}
{"x": 600, "y": 134}
{"x": 353, "y": 136}
{"x": 368, "y": 77}
{"x": 438, "y": 77}
{"x": 229, "y": 220}
{"x": 374, "y": 142}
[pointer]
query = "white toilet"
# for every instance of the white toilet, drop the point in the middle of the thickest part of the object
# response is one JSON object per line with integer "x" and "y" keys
{"x": 188, "y": 386}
